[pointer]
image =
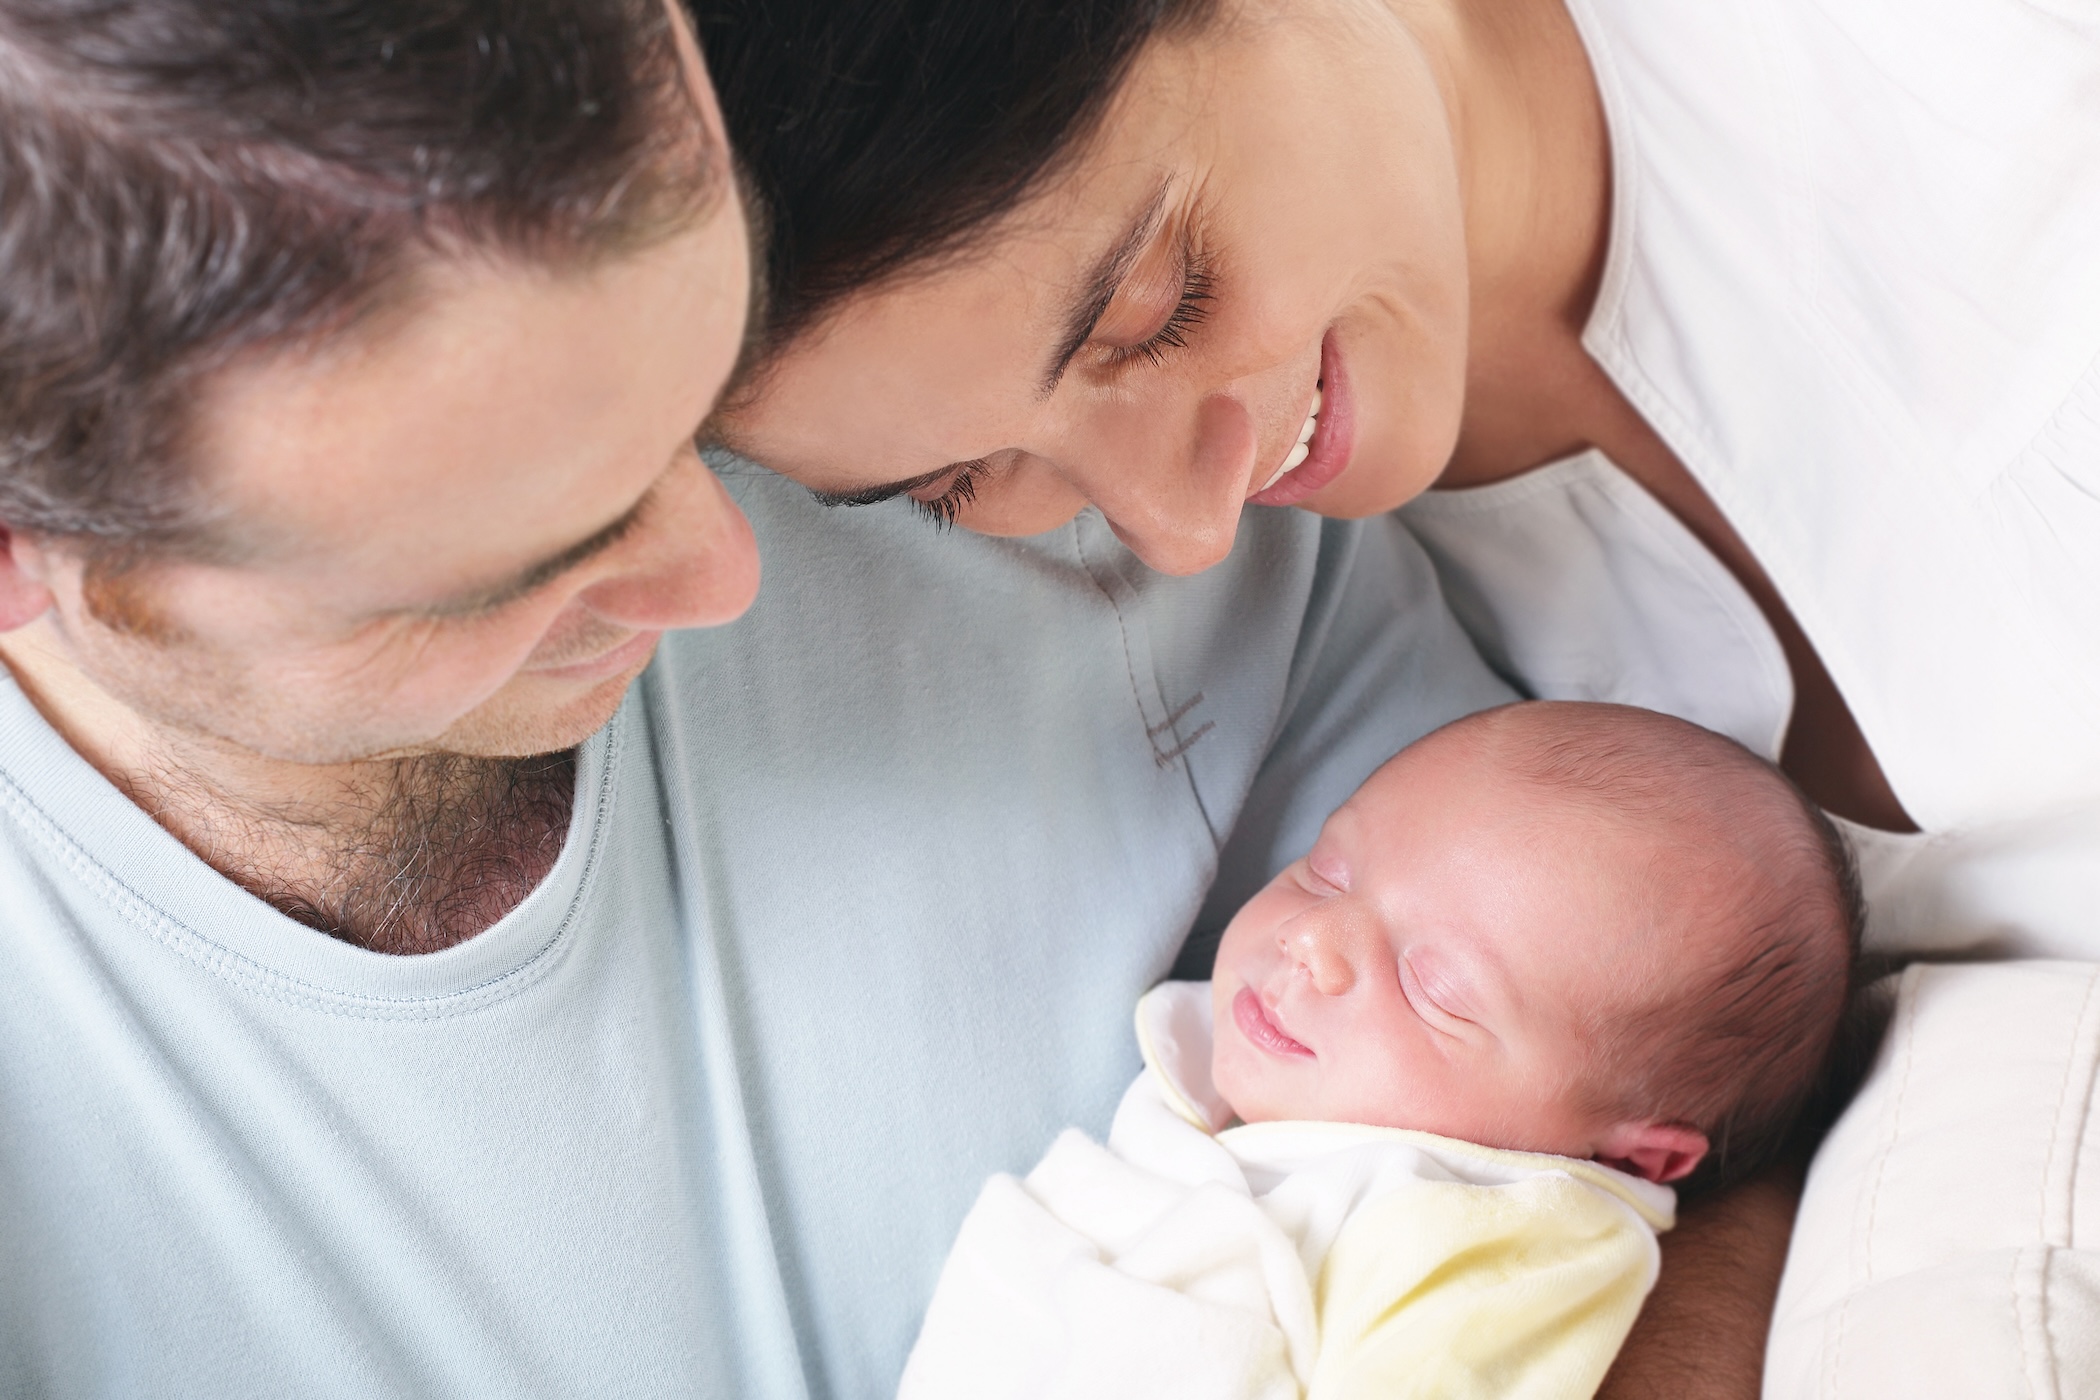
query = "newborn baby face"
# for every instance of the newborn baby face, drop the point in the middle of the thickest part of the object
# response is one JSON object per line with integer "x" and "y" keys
{"x": 1437, "y": 960}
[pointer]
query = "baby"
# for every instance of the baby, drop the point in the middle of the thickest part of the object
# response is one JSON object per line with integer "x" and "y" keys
{"x": 1413, "y": 1137}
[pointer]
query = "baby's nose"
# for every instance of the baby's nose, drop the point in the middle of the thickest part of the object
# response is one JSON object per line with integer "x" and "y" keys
{"x": 1310, "y": 943}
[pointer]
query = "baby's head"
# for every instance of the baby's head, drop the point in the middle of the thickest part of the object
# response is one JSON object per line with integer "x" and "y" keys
{"x": 1581, "y": 929}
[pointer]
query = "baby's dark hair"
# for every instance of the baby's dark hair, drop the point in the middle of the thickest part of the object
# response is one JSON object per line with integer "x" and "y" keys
{"x": 1740, "y": 1051}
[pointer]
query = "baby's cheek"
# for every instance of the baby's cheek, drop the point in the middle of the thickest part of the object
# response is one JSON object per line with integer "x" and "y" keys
{"x": 1246, "y": 1081}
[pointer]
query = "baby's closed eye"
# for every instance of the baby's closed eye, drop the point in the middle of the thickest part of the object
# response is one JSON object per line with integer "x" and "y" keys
{"x": 1433, "y": 994}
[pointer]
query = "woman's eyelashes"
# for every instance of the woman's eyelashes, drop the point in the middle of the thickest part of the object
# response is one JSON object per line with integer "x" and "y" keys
{"x": 1191, "y": 309}
{"x": 960, "y": 490}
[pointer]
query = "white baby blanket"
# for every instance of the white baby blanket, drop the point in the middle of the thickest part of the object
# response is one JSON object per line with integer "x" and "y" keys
{"x": 1283, "y": 1260}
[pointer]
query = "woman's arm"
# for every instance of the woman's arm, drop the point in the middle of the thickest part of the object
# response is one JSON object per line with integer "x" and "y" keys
{"x": 1702, "y": 1334}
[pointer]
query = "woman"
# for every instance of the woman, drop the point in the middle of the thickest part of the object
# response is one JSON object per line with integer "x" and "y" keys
{"x": 1816, "y": 278}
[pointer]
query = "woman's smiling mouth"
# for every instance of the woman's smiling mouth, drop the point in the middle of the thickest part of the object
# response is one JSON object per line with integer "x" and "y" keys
{"x": 1322, "y": 451}
{"x": 1302, "y": 450}
{"x": 1254, "y": 1023}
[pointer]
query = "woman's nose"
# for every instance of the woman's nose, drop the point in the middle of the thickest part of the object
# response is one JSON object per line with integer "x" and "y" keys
{"x": 1180, "y": 511}
{"x": 691, "y": 561}
{"x": 1311, "y": 944}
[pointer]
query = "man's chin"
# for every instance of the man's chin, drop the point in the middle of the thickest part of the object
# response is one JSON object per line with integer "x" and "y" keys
{"x": 524, "y": 725}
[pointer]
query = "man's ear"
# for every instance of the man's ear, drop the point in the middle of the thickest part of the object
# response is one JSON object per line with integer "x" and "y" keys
{"x": 1658, "y": 1152}
{"x": 23, "y": 595}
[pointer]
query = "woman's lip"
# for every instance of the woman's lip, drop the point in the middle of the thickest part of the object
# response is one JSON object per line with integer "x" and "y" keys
{"x": 606, "y": 663}
{"x": 1254, "y": 1023}
{"x": 1327, "y": 456}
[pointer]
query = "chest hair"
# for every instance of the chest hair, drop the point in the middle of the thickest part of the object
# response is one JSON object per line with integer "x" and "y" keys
{"x": 419, "y": 855}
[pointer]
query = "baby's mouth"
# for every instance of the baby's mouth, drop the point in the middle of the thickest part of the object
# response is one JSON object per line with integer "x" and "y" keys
{"x": 1254, "y": 1023}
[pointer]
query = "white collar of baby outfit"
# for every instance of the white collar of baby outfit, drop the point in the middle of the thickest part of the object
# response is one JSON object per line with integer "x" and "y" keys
{"x": 1174, "y": 1030}
{"x": 1174, "y": 1033}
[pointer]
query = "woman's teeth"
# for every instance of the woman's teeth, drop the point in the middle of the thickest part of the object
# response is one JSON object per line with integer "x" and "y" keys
{"x": 1304, "y": 447}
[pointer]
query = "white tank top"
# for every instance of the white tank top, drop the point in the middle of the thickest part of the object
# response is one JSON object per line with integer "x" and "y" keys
{"x": 1578, "y": 585}
{"x": 1854, "y": 283}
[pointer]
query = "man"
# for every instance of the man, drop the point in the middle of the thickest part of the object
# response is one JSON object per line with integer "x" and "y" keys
{"x": 394, "y": 1003}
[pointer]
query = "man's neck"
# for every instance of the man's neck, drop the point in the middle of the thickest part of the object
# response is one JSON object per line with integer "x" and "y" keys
{"x": 400, "y": 854}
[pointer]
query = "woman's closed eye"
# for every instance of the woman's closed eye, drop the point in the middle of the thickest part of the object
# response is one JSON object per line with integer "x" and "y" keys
{"x": 1190, "y": 310}
{"x": 956, "y": 492}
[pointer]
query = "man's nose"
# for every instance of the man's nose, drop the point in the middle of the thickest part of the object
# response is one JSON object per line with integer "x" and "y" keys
{"x": 1180, "y": 512}
{"x": 692, "y": 560}
{"x": 1315, "y": 945}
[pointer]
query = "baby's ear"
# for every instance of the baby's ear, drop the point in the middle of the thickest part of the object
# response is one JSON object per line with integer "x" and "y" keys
{"x": 1658, "y": 1152}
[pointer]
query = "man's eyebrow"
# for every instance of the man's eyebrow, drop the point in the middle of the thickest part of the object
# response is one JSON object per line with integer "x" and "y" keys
{"x": 1089, "y": 303}
{"x": 533, "y": 575}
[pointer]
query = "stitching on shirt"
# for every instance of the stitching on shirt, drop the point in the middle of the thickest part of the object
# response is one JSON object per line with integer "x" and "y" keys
{"x": 2066, "y": 1118}
{"x": 1165, "y": 757}
{"x": 1895, "y": 1118}
{"x": 141, "y": 914}
{"x": 2044, "y": 1266}
{"x": 1180, "y": 712}
{"x": 1902, "y": 1038}
{"x": 1137, "y": 692}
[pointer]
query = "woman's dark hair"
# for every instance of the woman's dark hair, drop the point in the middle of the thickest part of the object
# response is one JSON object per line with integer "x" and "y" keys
{"x": 877, "y": 136}
{"x": 183, "y": 180}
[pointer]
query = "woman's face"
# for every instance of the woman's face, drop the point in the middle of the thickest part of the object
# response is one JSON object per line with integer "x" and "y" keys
{"x": 1271, "y": 211}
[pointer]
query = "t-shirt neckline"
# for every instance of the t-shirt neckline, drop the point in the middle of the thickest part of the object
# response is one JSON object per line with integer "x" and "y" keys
{"x": 71, "y": 818}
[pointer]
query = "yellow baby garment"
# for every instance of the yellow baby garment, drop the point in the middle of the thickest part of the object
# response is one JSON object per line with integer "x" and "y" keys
{"x": 1283, "y": 1261}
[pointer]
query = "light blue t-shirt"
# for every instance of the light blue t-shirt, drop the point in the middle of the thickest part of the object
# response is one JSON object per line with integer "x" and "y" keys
{"x": 857, "y": 898}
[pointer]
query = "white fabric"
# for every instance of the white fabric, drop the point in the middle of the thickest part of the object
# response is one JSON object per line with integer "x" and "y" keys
{"x": 857, "y": 898}
{"x": 1578, "y": 585}
{"x": 1180, "y": 1263}
{"x": 1852, "y": 283}
{"x": 1949, "y": 1241}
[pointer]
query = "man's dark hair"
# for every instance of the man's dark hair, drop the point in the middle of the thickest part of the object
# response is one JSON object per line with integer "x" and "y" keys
{"x": 879, "y": 136}
{"x": 183, "y": 181}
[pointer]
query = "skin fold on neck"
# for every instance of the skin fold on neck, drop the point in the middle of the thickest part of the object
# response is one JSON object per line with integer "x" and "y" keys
{"x": 1534, "y": 158}
{"x": 399, "y": 853}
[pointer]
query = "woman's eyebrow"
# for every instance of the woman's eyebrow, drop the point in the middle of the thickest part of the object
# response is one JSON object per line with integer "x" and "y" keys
{"x": 1089, "y": 302}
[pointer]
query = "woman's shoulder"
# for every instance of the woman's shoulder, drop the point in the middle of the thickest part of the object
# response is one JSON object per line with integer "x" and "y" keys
{"x": 1912, "y": 187}
{"x": 1852, "y": 284}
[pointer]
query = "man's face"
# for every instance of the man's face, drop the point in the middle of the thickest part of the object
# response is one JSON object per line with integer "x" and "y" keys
{"x": 462, "y": 528}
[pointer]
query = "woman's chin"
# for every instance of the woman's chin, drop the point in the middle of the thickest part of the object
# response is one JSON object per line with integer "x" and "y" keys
{"x": 1390, "y": 465}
